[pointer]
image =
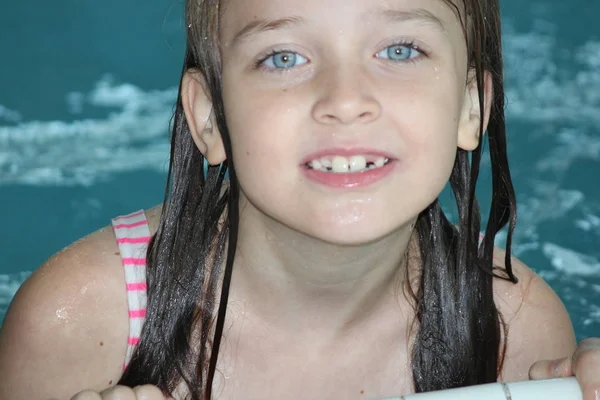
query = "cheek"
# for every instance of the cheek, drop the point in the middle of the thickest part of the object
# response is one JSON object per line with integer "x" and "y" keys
{"x": 432, "y": 115}
{"x": 430, "y": 135}
{"x": 260, "y": 130}
{"x": 262, "y": 113}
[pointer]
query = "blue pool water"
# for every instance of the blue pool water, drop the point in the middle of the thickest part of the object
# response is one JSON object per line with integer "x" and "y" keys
{"x": 87, "y": 90}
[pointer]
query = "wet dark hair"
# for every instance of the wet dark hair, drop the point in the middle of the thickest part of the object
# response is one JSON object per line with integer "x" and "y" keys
{"x": 459, "y": 332}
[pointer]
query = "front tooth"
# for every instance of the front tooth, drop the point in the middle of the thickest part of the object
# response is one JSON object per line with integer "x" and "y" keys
{"x": 325, "y": 162}
{"x": 339, "y": 164}
{"x": 357, "y": 163}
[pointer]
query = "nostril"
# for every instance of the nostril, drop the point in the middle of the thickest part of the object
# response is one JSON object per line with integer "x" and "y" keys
{"x": 346, "y": 109}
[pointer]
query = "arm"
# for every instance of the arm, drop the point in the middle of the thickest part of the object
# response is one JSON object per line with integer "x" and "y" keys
{"x": 541, "y": 342}
{"x": 66, "y": 329}
{"x": 539, "y": 327}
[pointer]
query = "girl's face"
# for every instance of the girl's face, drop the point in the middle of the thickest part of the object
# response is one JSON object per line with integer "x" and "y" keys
{"x": 314, "y": 84}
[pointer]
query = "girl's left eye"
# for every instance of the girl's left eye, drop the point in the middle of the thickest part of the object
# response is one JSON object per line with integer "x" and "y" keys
{"x": 399, "y": 52}
{"x": 283, "y": 60}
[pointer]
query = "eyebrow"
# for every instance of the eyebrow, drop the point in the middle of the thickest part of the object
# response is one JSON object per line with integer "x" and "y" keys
{"x": 264, "y": 25}
{"x": 418, "y": 15}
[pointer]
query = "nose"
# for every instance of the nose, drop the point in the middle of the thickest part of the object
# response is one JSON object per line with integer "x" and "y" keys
{"x": 345, "y": 97}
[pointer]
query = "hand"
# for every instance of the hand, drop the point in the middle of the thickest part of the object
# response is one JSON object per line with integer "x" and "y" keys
{"x": 146, "y": 392}
{"x": 584, "y": 364}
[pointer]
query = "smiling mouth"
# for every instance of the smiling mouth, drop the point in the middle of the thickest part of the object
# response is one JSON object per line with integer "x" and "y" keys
{"x": 344, "y": 165}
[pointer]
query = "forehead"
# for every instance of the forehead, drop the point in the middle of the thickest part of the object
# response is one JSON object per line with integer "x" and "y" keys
{"x": 337, "y": 14}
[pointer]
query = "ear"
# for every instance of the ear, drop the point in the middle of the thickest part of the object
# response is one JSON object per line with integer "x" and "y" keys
{"x": 471, "y": 114}
{"x": 197, "y": 107}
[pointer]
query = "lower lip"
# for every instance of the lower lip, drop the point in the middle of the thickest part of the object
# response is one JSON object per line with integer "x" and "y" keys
{"x": 349, "y": 180}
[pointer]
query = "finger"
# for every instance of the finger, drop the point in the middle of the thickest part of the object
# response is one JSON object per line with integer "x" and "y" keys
{"x": 148, "y": 392}
{"x": 87, "y": 395}
{"x": 547, "y": 369}
{"x": 586, "y": 367}
{"x": 586, "y": 346}
{"x": 118, "y": 393}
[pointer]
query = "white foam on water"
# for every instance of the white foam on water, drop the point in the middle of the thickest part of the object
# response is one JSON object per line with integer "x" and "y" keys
{"x": 571, "y": 262}
{"x": 549, "y": 203}
{"x": 589, "y": 223}
{"x": 593, "y": 315}
{"x": 133, "y": 136}
{"x": 571, "y": 145}
{"x": 9, "y": 115}
{"x": 563, "y": 109}
{"x": 538, "y": 90}
{"x": 9, "y": 284}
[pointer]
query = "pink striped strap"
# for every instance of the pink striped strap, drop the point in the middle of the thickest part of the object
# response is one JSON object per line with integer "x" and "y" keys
{"x": 141, "y": 313}
{"x": 129, "y": 226}
{"x": 133, "y": 287}
{"x": 135, "y": 240}
{"x": 134, "y": 260}
{"x": 133, "y": 235}
{"x": 134, "y": 341}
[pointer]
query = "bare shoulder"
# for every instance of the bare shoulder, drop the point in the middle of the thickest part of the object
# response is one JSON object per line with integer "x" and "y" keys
{"x": 539, "y": 327}
{"x": 153, "y": 216}
{"x": 67, "y": 326}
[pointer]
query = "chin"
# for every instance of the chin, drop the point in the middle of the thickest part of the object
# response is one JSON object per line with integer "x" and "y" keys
{"x": 355, "y": 235}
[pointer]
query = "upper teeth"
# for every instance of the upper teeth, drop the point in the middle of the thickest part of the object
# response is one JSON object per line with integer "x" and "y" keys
{"x": 344, "y": 164}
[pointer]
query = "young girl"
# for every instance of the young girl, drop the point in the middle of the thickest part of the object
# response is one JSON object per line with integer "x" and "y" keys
{"x": 321, "y": 266}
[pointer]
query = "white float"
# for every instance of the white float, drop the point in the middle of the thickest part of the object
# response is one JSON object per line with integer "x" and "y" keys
{"x": 552, "y": 389}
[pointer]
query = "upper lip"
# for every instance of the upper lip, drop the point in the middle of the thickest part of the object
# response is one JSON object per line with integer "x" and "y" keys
{"x": 346, "y": 152}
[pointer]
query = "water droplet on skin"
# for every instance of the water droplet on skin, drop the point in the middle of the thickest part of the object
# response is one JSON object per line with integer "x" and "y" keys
{"x": 62, "y": 314}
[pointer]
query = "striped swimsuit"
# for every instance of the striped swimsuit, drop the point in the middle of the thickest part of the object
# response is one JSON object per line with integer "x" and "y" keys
{"x": 133, "y": 236}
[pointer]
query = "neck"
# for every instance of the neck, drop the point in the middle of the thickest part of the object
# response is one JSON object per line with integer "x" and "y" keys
{"x": 299, "y": 285}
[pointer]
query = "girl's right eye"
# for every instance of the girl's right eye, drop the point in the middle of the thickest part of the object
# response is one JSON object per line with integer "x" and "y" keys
{"x": 282, "y": 60}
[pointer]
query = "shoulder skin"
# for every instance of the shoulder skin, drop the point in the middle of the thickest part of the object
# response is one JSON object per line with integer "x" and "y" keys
{"x": 66, "y": 328}
{"x": 539, "y": 327}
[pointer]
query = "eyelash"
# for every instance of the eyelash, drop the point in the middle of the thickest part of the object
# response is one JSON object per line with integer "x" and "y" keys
{"x": 411, "y": 45}
{"x": 259, "y": 63}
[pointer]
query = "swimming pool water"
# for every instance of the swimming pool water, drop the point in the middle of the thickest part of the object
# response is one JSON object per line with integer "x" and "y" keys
{"x": 87, "y": 90}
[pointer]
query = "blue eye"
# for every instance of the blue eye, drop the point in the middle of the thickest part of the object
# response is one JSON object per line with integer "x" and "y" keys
{"x": 399, "y": 52}
{"x": 284, "y": 60}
